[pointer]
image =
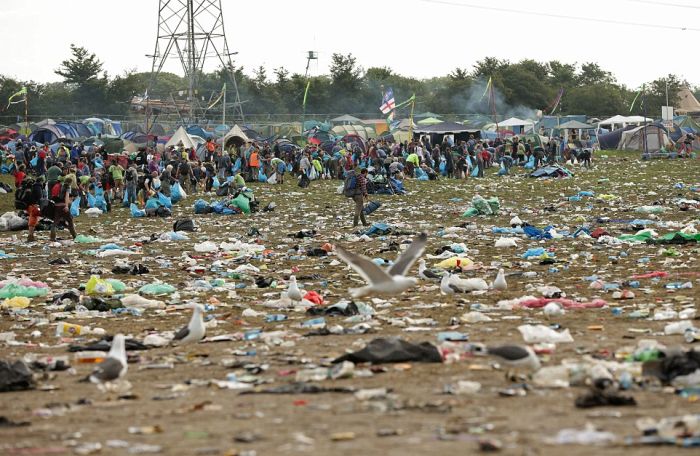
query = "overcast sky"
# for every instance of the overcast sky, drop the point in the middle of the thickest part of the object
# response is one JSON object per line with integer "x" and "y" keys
{"x": 420, "y": 38}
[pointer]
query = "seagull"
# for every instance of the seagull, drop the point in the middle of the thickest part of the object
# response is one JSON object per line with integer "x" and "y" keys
{"x": 425, "y": 273}
{"x": 519, "y": 357}
{"x": 389, "y": 281}
{"x": 114, "y": 366}
{"x": 194, "y": 331}
{"x": 467, "y": 285}
{"x": 500, "y": 282}
{"x": 293, "y": 291}
{"x": 445, "y": 284}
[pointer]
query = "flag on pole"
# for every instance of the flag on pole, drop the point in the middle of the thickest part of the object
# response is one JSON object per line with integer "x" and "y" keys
{"x": 221, "y": 95}
{"x": 556, "y": 101}
{"x": 635, "y": 98}
{"x": 306, "y": 92}
{"x": 401, "y": 105}
{"x": 486, "y": 90}
{"x": 388, "y": 102}
{"x": 22, "y": 91}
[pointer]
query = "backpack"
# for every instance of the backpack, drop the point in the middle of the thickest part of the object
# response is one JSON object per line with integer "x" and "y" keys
{"x": 24, "y": 196}
{"x": 350, "y": 186}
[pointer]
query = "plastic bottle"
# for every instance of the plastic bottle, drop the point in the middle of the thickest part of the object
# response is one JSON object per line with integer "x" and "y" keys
{"x": 275, "y": 317}
{"x": 70, "y": 330}
{"x": 626, "y": 380}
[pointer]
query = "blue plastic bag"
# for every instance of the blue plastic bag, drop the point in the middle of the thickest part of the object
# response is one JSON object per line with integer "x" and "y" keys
{"x": 475, "y": 172}
{"x": 290, "y": 167}
{"x": 215, "y": 183}
{"x": 75, "y": 207}
{"x": 92, "y": 201}
{"x": 261, "y": 176}
{"x": 236, "y": 165}
{"x": 125, "y": 200}
{"x": 34, "y": 161}
{"x": 176, "y": 193}
{"x": 201, "y": 207}
{"x": 136, "y": 212}
{"x": 164, "y": 200}
{"x": 152, "y": 203}
{"x": 443, "y": 168}
{"x": 530, "y": 162}
{"x": 371, "y": 207}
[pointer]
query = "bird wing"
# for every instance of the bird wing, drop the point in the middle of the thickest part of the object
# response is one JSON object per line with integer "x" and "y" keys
{"x": 365, "y": 267}
{"x": 509, "y": 352}
{"x": 108, "y": 370}
{"x": 406, "y": 259}
{"x": 182, "y": 333}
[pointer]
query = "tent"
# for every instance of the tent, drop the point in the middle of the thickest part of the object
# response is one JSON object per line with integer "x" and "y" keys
{"x": 687, "y": 123}
{"x": 444, "y": 127}
{"x": 648, "y": 137}
{"x": 196, "y": 130}
{"x": 610, "y": 140}
{"x": 362, "y": 131}
{"x": 687, "y": 103}
{"x": 346, "y": 119}
{"x": 181, "y": 136}
{"x": 235, "y": 137}
{"x": 429, "y": 121}
{"x": 424, "y": 115}
{"x": 515, "y": 122}
{"x": 575, "y": 125}
{"x": 623, "y": 121}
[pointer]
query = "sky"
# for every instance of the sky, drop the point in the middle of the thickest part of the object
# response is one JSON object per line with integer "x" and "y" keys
{"x": 636, "y": 40}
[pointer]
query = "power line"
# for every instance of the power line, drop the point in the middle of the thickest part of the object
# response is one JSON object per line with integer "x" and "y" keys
{"x": 674, "y": 5}
{"x": 563, "y": 16}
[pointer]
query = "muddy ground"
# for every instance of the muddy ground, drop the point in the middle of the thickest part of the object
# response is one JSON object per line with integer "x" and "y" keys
{"x": 179, "y": 411}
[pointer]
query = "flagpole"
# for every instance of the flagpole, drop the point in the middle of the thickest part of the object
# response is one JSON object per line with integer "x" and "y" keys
{"x": 410, "y": 120}
{"x": 223, "y": 109}
{"x": 26, "y": 112}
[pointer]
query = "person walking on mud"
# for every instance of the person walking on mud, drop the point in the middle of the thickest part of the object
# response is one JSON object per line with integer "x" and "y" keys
{"x": 356, "y": 187}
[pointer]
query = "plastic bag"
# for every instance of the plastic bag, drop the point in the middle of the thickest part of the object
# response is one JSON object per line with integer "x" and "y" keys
{"x": 201, "y": 207}
{"x": 272, "y": 179}
{"x": 97, "y": 286}
{"x": 494, "y": 204}
{"x": 242, "y": 203}
{"x": 261, "y": 176}
{"x": 475, "y": 172}
{"x": 481, "y": 205}
{"x": 125, "y": 200}
{"x": 91, "y": 200}
{"x": 455, "y": 262}
{"x": 165, "y": 201}
{"x": 136, "y": 212}
{"x": 18, "y": 302}
{"x": 83, "y": 239}
{"x": 117, "y": 285}
{"x": 177, "y": 193}
{"x": 206, "y": 247}
{"x": 75, "y": 207}
{"x": 215, "y": 183}
{"x": 11, "y": 290}
{"x": 156, "y": 289}
{"x": 471, "y": 212}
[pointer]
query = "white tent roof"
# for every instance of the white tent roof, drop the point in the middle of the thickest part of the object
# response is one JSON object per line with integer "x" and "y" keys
{"x": 181, "y": 135}
{"x": 236, "y": 131}
{"x": 618, "y": 119}
{"x": 514, "y": 122}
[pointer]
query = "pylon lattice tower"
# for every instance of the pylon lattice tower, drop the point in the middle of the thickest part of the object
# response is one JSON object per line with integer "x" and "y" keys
{"x": 192, "y": 31}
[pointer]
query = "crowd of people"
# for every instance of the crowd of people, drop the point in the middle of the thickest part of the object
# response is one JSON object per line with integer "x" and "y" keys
{"x": 69, "y": 171}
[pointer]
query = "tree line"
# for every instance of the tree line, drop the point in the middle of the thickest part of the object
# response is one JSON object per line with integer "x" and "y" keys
{"x": 519, "y": 87}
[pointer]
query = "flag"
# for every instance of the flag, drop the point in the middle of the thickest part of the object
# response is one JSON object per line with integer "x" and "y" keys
{"x": 388, "y": 102}
{"x": 306, "y": 92}
{"x": 221, "y": 95}
{"x": 486, "y": 90}
{"x": 556, "y": 101}
{"x": 410, "y": 100}
{"x": 22, "y": 91}
{"x": 635, "y": 98}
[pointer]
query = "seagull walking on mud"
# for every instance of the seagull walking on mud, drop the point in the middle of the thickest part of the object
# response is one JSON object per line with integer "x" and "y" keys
{"x": 380, "y": 281}
{"x": 194, "y": 331}
{"x": 293, "y": 291}
{"x": 500, "y": 282}
{"x": 516, "y": 357}
{"x": 114, "y": 366}
{"x": 425, "y": 273}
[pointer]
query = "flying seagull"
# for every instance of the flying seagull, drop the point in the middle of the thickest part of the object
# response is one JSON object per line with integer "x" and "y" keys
{"x": 500, "y": 282}
{"x": 293, "y": 291}
{"x": 114, "y": 366}
{"x": 194, "y": 331}
{"x": 390, "y": 281}
{"x": 425, "y": 273}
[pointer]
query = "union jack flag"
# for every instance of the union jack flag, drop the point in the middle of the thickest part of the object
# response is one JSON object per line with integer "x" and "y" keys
{"x": 388, "y": 102}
